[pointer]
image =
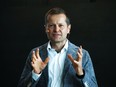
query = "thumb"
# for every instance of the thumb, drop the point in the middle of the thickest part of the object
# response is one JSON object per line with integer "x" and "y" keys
{"x": 46, "y": 60}
{"x": 71, "y": 58}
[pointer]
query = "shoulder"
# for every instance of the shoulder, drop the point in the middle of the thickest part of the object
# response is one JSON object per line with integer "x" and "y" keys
{"x": 41, "y": 47}
{"x": 75, "y": 47}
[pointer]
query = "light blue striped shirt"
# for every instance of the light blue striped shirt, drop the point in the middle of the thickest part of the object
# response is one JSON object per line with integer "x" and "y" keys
{"x": 56, "y": 65}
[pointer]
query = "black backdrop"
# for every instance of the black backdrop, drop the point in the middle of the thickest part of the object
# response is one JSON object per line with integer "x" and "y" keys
{"x": 22, "y": 28}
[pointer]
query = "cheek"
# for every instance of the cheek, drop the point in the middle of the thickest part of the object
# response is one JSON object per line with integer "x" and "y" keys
{"x": 65, "y": 33}
{"x": 49, "y": 34}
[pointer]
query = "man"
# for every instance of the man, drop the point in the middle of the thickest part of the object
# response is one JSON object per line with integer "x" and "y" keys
{"x": 58, "y": 63}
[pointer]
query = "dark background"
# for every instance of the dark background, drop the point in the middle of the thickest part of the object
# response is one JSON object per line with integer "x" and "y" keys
{"x": 22, "y": 28}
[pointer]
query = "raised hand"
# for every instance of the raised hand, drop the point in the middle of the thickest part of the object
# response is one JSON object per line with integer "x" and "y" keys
{"x": 77, "y": 64}
{"x": 37, "y": 63}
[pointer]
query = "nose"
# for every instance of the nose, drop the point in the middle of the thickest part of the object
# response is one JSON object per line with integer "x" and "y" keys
{"x": 57, "y": 28}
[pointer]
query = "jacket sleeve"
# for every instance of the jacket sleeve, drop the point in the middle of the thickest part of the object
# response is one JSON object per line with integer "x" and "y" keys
{"x": 26, "y": 79}
{"x": 89, "y": 79}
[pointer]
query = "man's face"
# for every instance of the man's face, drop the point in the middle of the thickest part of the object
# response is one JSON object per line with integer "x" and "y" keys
{"x": 57, "y": 28}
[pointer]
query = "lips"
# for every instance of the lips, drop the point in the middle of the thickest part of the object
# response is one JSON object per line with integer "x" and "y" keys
{"x": 56, "y": 35}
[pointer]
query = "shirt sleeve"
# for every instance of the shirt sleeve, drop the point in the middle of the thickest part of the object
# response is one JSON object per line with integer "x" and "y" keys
{"x": 35, "y": 76}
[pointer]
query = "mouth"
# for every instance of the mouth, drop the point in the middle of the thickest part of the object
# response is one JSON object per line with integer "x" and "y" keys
{"x": 56, "y": 35}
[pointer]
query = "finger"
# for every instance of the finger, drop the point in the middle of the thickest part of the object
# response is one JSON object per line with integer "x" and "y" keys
{"x": 33, "y": 56}
{"x": 33, "y": 59}
{"x": 46, "y": 60}
{"x": 81, "y": 46}
{"x": 79, "y": 56}
{"x": 37, "y": 53}
{"x": 71, "y": 58}
{"x": 80, "y": 50}
{"x": 32, "y": 63}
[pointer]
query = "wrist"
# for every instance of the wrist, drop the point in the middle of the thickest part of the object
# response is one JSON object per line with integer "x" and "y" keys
{"x": 81, "y": 75}
{"x": 37, "y": 72}
{"x": 79, "y": 71}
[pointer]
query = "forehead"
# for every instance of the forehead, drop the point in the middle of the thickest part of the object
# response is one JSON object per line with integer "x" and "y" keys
{"x": 56, "y": 17}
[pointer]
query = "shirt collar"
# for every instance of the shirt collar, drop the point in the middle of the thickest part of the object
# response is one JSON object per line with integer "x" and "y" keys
{"x": 64, "y": 48}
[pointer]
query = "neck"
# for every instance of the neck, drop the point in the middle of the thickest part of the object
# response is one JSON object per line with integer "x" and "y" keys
{"x": 58, "y": 45}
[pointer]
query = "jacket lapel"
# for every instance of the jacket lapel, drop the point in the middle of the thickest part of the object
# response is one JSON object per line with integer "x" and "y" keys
{"x": 44, "y": 55}
{"x": 67, "y": 63}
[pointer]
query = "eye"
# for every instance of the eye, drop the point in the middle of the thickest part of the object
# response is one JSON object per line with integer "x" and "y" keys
{"x": 61, "y": 26}
{"x": 51, "y": 26}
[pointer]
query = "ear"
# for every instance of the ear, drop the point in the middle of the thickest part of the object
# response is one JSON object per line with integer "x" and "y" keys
{"x": 69, "y": 28}
{"x": 46, "y": 30}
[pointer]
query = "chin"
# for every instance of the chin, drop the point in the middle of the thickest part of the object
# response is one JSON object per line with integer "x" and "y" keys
{"x": 57, "y": 41}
